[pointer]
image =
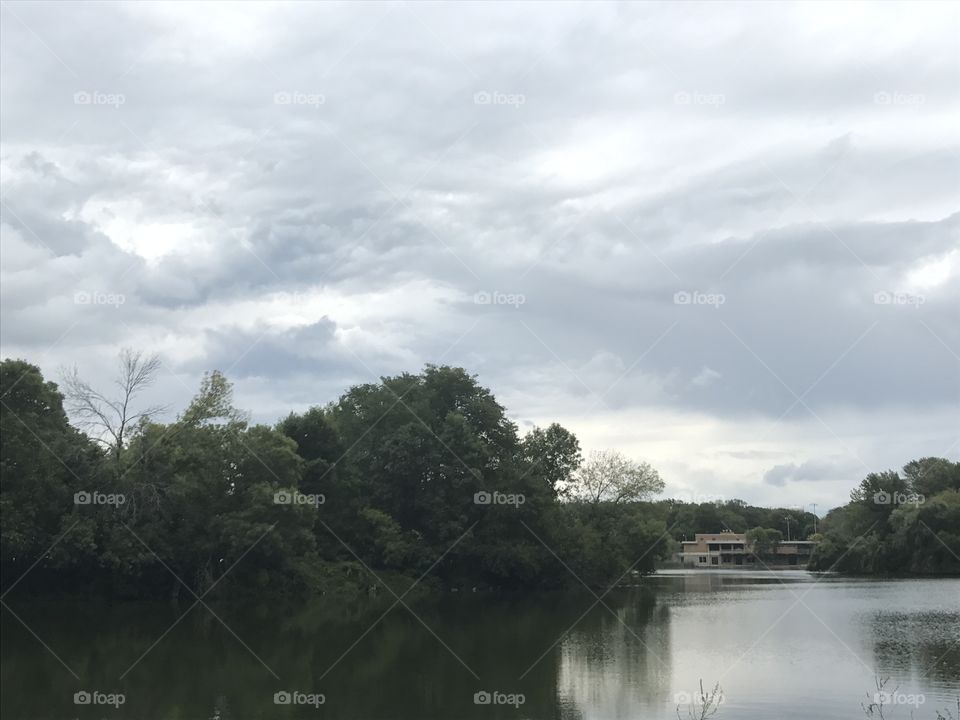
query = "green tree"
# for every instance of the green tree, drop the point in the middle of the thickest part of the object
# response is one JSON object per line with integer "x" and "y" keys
{"x": 43, "y": 462}
{"x": 417, "y": 472}
{"x": 896, "y": 523}
{"x": 204, "y": 494}
{"x": 763, "y": 542}
{"x": 554, "y": 454}
{"x": 319, "y": 445}
{"x": 932, "y": 475}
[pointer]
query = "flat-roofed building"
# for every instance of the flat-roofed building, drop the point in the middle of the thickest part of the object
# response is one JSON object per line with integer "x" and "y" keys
{"x": 730, "y": 549}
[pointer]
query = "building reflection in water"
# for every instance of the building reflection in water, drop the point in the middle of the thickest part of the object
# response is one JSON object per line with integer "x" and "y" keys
{"x": 614, "y": 663}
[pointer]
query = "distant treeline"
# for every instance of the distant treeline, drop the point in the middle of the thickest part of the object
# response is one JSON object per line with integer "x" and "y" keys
{"x": 688, "y": 519}
{"x": 416, "y": 477}
{"x": 897, "y": 523}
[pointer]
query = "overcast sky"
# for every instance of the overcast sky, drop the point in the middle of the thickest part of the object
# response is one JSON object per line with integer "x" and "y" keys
{"x": 722, "y": 238}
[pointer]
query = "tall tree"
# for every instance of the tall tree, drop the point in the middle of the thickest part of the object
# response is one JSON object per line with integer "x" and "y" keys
{"x": 553, "y": 453}
{"x": 43, "y": 462}
{"x": 111, "y": 417}
{"x": 608, "y": 476}
{"x": 896, "y": 523}
{"x": 214, "y": 483}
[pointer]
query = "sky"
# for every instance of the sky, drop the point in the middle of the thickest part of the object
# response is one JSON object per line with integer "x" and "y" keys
{"x": 721, "y": 238}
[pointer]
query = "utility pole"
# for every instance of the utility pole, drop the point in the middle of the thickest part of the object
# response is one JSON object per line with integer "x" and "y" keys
{"x": 814, "y": 506}
{"x": 787, "y": 518}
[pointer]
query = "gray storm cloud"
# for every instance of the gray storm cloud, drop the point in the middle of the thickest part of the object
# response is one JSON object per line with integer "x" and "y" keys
{"x": 738, "y": 225}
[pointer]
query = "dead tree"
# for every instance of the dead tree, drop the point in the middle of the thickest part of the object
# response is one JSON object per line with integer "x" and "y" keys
{"x": 110, "y": 419}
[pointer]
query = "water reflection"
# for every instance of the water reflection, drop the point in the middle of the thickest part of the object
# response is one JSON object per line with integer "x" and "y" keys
{"x": 628, "y": 661}
{"x": 918, "y": 647}
{"x": 614, "y": 662}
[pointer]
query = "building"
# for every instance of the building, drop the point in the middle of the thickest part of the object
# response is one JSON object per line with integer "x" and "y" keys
{"x": 729, "y": 549}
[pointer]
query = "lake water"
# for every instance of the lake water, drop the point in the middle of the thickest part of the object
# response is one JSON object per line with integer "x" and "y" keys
{"x": 785, "y": 645}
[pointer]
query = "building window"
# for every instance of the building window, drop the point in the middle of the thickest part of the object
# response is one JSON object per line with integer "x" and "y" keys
{"x": 716, "y": 561}
{"x": 702, "y": 559}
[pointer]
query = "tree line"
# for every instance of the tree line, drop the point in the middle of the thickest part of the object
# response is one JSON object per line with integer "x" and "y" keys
{"x": 419, "y": 477}
{"x": 896, "y": 523}
{"x": 904, "y": 522}
{"x": 716, "y": 516}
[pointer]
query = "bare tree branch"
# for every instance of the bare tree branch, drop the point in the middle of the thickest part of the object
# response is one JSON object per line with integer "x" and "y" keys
{"x": 609, "y": 476}
{"x": 110, "y": 420}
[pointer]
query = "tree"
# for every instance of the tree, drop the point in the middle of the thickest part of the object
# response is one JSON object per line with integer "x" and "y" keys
{"x": 608, "y": 476}
{"x": 419, "y": 449}
{"x": 554, "y": 453}
{"x": 763, "y": 542}
{"x": 318, "y": 444}
{"x": 214, "y": 401}
{"x": 418, "y": 472}
{"x": 43, "y": 461}
{"x": 896, "y": 523}
{"x": 211, "y": 492}
{"x": 111, "y": 418}
{"x": 327, "y": 472}
{"x": 930, "y": 476}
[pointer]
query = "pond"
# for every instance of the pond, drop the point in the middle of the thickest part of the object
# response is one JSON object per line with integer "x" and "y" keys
{"x": 783, "y": 645}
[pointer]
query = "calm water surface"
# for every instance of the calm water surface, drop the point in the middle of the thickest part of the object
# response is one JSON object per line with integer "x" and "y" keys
{"x": 790, "y": 645}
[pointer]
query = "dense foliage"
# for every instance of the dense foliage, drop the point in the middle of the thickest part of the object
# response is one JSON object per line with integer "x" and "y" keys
{"x": 417, "y": 476}
{"x": 688, "y": 519}
{"x": 897, "y": 523}
{"x": 420, "y": 477}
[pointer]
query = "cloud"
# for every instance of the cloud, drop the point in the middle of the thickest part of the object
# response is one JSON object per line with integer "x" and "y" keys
{"x": 809, "y": 471}
{"x": 705, "y": 377}
{"x": 314, "y": 196}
